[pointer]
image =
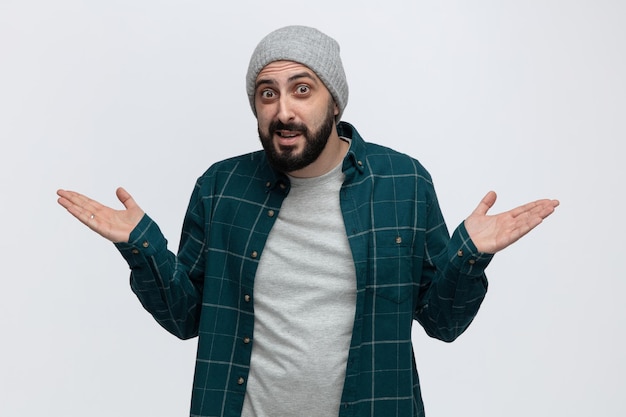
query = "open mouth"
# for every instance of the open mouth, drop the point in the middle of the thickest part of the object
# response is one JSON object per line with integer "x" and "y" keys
{"x": 287, "y": 138}
{"x": 287, "y": 134}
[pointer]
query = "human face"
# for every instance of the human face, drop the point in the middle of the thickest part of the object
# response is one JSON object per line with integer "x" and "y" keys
{"x": 296, "y": 116}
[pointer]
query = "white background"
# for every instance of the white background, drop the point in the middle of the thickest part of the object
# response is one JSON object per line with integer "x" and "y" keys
{"x": 524, "y": 97}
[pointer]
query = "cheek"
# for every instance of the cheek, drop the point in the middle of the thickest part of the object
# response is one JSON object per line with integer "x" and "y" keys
{"x": 262, "y": 119}
{"x": 260, "y": 108}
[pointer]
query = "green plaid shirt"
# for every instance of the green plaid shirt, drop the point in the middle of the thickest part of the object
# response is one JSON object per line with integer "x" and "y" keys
{"x": 407, "y": 268}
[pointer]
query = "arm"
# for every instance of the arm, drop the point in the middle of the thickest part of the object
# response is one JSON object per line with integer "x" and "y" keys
{"x": 168, "y": 286}
{"x": 453, "y": 279}
{"x": 453, "y": 283}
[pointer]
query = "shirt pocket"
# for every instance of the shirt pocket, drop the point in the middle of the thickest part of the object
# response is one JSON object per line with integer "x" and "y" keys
{"x": 390, "y": 262}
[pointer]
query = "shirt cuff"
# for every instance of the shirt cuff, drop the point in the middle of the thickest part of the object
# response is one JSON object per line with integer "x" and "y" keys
{"x": 465, "y": 256}
{"x": 145, "y": 241}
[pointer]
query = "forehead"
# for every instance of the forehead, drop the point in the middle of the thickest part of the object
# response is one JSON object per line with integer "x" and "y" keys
{"x": 278, "y": 70}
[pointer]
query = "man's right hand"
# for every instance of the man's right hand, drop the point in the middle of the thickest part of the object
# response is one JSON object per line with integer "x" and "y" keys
{"x": 114, "y": 225}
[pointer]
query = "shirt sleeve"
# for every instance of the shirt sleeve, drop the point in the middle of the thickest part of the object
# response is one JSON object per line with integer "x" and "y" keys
{"x": 168, "y": 286}
{"x": 453, "y": 283}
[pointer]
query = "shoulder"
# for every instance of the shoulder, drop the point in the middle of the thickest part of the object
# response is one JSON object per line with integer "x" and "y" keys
{"x": 246, "y": 164}
{"x": 380, "y": 154}
{"x": 383, "y": 160}
{"x": 379, "y": 159}
{"x": 236, "y": 171}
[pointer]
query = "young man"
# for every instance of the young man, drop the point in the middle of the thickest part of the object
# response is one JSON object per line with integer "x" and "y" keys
{"x": 302, "y": 267}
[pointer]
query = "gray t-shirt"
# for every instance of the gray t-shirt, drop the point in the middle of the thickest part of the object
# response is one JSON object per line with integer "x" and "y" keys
{"x": 304, "y": 306}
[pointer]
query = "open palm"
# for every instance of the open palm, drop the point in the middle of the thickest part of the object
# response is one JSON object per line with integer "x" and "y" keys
{"x": 492, "y": 233}
{"x": 114, "y": 225}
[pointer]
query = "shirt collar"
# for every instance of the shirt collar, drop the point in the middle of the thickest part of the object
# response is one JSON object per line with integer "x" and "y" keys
{"x": 355, "y": 158}
{"x": 354, "y": 161}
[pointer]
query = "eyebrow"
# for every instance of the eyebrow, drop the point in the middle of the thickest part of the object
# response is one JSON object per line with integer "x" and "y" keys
{"x": 271, "y": 81}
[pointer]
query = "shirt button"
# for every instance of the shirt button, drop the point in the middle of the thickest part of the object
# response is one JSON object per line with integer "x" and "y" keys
{"x": 399, "y": 240}
{"x": 270, "y": 213}
{"x": 282, "y": 186}
{"x": 254, "y": 254}
{"x": 145, "y": 244}
{"x": 247, "y": 298}
{"x": 472, "y": 261}
{"x": 246, "y": 340}
{"x": 268, "y": 184}
{"x": 135, "y": 251}
{"x": 459, "y": 253}
{"x": 240, "y": 381}
{"x": 359, "y": 163}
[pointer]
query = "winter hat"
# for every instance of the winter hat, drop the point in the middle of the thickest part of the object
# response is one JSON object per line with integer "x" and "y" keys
{"x": 307, "y": 46}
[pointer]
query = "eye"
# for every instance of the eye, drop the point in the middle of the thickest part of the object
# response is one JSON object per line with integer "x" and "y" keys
{"x": 267, "y": 94}
{"x": 303, "y": 89}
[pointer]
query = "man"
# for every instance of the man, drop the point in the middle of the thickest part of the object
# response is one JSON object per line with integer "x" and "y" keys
{"x": 302, "y": 267}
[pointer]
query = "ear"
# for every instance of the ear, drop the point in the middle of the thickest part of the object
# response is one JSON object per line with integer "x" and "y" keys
{"x": 336, "y": 108}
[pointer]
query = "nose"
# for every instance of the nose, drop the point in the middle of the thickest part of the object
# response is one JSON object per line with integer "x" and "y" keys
{"x": 285, "y": 109}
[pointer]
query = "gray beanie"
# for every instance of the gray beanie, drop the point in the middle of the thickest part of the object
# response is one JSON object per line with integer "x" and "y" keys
{"x": 307, "y": 46}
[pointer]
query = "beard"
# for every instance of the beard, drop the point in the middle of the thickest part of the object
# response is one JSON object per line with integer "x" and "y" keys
{"x": 284, "y": 159}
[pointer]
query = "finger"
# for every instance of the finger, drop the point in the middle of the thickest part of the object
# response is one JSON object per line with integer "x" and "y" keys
{"x": 70, "y": 197}
{"x": 125, "y": 198}
{"x": 533, "y": 216}
{"x": 544, "y": 208}
{"x": 486, "y": 203}
{"x": 539, "y": 209}
{"x": 80, "y": 206}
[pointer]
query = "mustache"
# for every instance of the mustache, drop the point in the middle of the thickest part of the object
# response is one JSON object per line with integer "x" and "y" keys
{"x": 295, "y": 127}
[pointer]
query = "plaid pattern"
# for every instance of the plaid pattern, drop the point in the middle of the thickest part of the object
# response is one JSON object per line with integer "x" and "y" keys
{"x": 407, "y": 268}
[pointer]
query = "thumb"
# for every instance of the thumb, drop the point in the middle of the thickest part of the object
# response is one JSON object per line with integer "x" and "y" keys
{"x": 486, "y": 203}
{"x": 125, "y": 198}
